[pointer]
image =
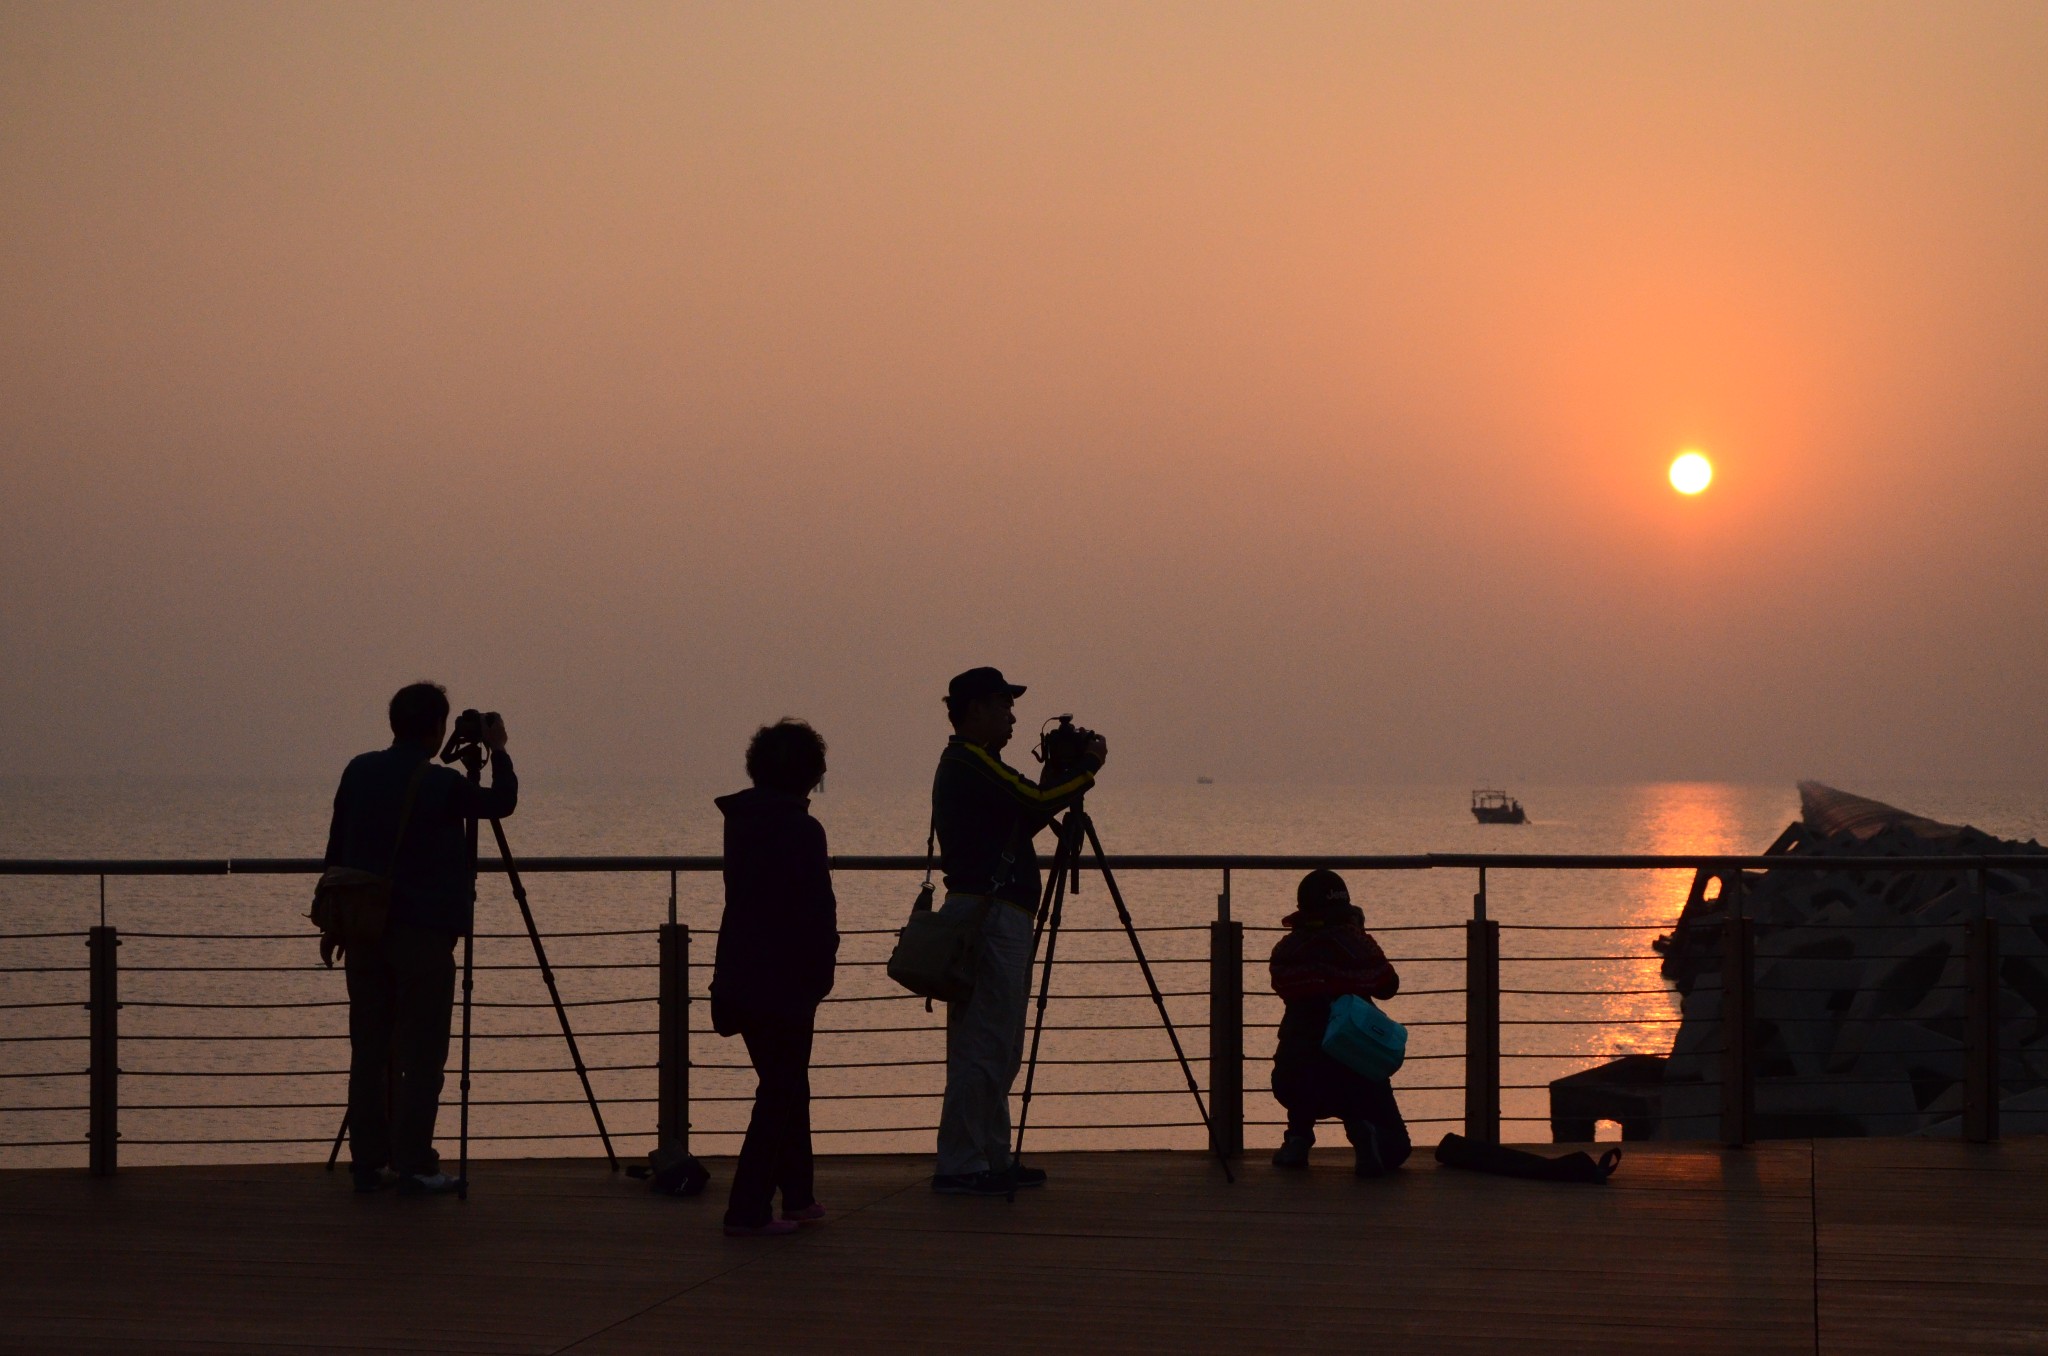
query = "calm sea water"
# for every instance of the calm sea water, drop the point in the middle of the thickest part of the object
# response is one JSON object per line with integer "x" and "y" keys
{"x": 232, "y": 1046}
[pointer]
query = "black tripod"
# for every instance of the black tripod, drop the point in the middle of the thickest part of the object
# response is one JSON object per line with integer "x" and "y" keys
{"x": 1066, "y": 862}
{"x": 471, "y": 755}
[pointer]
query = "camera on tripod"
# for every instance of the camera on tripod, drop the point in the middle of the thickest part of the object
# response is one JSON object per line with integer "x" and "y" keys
{"x": 1063, "y": 748}
{"x": 468, "y": 733}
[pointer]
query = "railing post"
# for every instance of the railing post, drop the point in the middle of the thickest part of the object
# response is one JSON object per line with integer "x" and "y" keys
{"x": 1482, "y": 1022}
{"x": 1738, "y": 1073}
{"x": 103, "y": 1117}
{"x": 1980, "y": 1025}
{"x": 672, "y": 1093}
{"x": 1226, "y": 1027}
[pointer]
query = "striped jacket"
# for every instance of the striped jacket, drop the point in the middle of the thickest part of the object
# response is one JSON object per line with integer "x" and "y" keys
{"x": 982, "y": 807}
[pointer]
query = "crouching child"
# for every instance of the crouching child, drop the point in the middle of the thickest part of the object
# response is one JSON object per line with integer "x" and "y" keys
{"x": 1326, "y": 953}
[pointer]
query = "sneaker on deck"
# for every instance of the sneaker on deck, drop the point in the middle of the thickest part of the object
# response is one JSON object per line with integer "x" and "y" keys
{"x": 984, "y": 1183}
{"x": 1293, "y": 1151}
{"x": 1023, "y": 1178}
{"x": 810, "y": 1214}
{"x": 427, "y": 1184}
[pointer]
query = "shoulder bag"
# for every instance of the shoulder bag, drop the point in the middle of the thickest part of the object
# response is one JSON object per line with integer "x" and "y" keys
{"x": 1363, "y": 1039}
{"x": 935, "y": 952}
{"x": 353, "y": 907}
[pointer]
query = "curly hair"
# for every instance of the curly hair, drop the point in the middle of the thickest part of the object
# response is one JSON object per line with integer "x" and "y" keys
{"x": 786, "y": 756}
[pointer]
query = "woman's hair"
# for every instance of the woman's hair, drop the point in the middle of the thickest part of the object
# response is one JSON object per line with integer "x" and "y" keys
{"x": 786, "y": 756}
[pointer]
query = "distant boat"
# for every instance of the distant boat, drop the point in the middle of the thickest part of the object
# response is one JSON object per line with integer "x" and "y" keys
{"x": 1205, "y": 781}
{"x": 1497, "y": 807}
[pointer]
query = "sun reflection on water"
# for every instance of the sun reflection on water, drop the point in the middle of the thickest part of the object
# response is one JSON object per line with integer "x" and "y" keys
{"x": 1681, "y": 818}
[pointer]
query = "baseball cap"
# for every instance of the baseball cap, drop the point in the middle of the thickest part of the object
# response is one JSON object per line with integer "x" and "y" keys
{"x": 981, "y": 682}
{"x": 1321, "y": 890}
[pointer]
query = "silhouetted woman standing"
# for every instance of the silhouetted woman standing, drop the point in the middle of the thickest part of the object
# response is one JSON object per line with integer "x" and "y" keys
{"x": 777, "y": 943}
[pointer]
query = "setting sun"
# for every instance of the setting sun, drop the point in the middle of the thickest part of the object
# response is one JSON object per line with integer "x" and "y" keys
{"x": 1691, "y": 473}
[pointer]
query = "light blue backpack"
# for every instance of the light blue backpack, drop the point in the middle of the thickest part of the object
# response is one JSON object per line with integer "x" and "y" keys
{"x": 1364, "y": 1039}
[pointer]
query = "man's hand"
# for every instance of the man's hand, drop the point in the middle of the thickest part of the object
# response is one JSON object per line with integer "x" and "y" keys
{"x": 330, "y": 948}
{"x": 494, "y": 732}
{"x": 1098, "y": 749}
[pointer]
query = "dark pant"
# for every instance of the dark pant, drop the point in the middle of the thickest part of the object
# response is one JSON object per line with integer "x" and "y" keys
{"x": 776, "y": 1155}
{"x": 400, "y": 993}
{"x": 1328, "y": 1090}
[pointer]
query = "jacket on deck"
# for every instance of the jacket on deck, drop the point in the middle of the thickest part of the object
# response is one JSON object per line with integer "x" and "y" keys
{"x": 1326, "y": 952}
{"x": 983, "y": 807}
{"x": 433, "y": 886}
{"x": 778, "y": 938}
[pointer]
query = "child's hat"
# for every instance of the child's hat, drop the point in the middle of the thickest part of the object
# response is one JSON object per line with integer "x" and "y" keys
{"x": 1321, "y": 890}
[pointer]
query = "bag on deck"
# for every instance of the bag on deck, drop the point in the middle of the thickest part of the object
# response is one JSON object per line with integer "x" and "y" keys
{"x": 352, "y": 906}
{"x": 1458, "y": 1152}
{"x": 1363, "y": 1039}
{"x": 672, "y": 1170}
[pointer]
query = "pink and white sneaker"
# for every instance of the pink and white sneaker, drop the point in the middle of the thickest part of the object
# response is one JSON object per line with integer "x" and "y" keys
{"x": 810, "y": 1214}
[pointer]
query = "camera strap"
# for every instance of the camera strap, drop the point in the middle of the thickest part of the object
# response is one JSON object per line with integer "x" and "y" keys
{"x": 1007, "y": 865}
{"x": 412, "y": 793}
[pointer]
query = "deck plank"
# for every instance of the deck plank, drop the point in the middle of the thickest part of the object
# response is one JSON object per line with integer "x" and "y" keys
{"x": 1932, "y": 1246}
{"x": 1921, "y": 1246}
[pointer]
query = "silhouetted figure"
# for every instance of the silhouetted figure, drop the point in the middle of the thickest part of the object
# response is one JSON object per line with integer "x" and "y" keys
{"x": 401, "y": 986}
{"x": 985, "y": 813}
{"x": 778, "y": 941}
{"x": 1326, "y": 953}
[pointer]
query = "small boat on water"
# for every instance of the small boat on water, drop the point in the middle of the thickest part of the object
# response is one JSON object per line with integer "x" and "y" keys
{"x": 1205, "y": 781}
{"x": 1497, "y": 807}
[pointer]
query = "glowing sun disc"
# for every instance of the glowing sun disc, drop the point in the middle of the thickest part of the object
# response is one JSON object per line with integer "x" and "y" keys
{"x": 1691, "y": 473}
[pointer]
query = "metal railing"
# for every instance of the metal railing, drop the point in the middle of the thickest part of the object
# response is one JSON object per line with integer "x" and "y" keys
{"x": 852, "y": 1021}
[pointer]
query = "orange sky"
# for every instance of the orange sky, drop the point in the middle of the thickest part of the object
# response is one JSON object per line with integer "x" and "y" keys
{"x": 1285, "y": 389}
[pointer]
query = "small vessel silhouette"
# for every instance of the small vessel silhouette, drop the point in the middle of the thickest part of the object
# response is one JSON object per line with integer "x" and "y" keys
{"x": 1205, "y": 781}
{"x": 1497, "y": 807}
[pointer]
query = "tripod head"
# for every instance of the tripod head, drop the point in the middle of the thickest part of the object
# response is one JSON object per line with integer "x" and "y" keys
{"x": 466, "y": 741}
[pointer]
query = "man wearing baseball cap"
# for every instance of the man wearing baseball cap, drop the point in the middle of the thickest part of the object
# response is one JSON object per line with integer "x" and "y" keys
{"x": 985, "y": 813}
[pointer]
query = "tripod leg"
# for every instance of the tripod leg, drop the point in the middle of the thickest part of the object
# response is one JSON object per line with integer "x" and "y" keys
{"x": 468, "y": 984}
{"x": 339, "y": 1135}
{"x": 547, "y": 975}
{"x": 1049, "y": 929}
{"x": 1123, "y": 914}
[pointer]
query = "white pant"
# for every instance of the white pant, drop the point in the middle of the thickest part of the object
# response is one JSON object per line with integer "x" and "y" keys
{"x": 985, "y": 1041}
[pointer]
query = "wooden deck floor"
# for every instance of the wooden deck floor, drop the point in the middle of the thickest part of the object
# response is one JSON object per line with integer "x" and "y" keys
{"x": 1839, "y": 1246}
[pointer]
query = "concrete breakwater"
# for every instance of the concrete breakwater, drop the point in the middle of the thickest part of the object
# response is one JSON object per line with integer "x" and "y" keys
{"x": 1859, "y": 991}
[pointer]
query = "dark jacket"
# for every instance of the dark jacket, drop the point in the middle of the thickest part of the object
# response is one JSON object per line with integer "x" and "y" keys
{"x": 779, "y": 936}
{"x": 982, "y": 807}
{"x": 1326, "y": 952}
{"x": 433, "y": 886}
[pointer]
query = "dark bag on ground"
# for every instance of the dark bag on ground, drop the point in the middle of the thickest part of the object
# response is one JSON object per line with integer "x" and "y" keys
{"x": 673, "y": 1170}
{"x": 353, "y": 906}
{"x": 1458, "y": 1152}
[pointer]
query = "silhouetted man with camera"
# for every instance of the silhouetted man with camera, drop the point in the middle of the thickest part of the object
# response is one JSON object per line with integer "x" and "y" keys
{"x": 985, "y": 814}
{"x": 399, "y": 816}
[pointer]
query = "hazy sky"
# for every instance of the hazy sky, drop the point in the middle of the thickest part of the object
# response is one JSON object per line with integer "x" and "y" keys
{"x": 1284, "y": 389}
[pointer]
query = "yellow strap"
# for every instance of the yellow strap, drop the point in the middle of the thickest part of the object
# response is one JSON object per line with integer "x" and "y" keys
{"x": 1008, "y": 776}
